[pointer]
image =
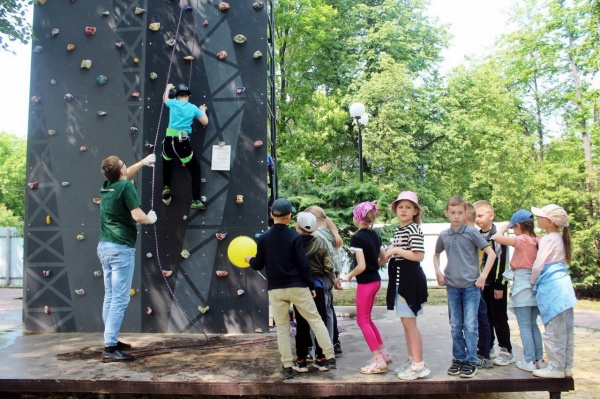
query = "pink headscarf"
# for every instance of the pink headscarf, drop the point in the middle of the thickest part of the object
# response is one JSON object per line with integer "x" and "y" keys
{"x": 360, "y": 211}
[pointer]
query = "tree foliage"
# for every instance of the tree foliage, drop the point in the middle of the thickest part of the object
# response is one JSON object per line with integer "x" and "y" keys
{"x": 12, "y": 180}
{"x": 13, "y": 22}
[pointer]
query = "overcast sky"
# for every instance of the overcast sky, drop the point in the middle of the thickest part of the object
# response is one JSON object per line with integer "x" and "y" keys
{"x": 475, "y": 25}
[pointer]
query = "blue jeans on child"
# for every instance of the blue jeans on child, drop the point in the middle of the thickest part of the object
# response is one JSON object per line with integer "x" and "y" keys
{"x": 531, "y": 337}
{"x": 463, "y": 304}
{"x": 118, "y": 262}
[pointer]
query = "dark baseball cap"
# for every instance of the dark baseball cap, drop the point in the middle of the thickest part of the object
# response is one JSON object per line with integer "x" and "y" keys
{"x": 282, "y": 207}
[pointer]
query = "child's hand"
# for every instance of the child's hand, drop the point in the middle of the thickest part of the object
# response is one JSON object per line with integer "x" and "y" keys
{"x": 170, "y": 86}
{"x": 502, "y": 229}
{"x": 480, "y": 283}
{"x": 202, "y": 108}
{"x": 441, "y": 279}
{"x": 313, "y": 293}
{"x": 390, "y": 252}
{"x": 247, "y": 259}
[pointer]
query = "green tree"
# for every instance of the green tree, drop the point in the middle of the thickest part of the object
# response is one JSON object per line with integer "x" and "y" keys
{"x": 13, "y": 22}
{"x": 13, "y": 152}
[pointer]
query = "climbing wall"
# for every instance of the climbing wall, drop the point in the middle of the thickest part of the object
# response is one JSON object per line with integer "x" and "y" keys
{"x": 99, "y": 69}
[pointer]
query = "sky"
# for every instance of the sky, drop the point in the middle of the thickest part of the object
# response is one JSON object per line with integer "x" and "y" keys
{"x": 475, "y": 25}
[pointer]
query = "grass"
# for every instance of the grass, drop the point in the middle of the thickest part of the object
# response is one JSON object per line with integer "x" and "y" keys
{"x": 437, "y": 296}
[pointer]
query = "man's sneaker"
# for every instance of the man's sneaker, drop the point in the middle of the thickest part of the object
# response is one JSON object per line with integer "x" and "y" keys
{"x": 468, "y": 370}
{"x": 412, "y": 373}
{"x": 337, "y": 348}
{"x": 198, "y": 205}
{"x": 166, "y": 195}
{"x": 331, "y": 363}
{"x": 568, "y": 372}
{"x": 455, "y": 368}
{"x": 287, "y": 373}
{"x": 504, "y": 358}
{"x": 549, "y": 372}
{"x": 483, "y": 363}
{"x": 527, "y": 366}
{"x": 404, "y": 366}
{"x": 300, "y": 366}
{"x": 321, "y": 364}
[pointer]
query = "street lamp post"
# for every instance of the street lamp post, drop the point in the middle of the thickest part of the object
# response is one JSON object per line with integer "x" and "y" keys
{"x": 357, "y": 111}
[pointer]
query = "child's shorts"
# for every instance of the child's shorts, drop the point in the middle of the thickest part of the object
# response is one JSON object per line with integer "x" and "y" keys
{"x": 403, "y": 310}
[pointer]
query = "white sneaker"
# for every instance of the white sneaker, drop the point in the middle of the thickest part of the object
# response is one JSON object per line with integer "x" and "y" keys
{"x": 568, "y": 372}
{"x": 504, "y": 358}
{"x": 493, "y": 353}
{"x": 541, "y": 364}
{"x": 549, "y": 372}
{"x": 412, "y": 373}
{"x": 403, "y": 367}
{"x": 527, "y": 366}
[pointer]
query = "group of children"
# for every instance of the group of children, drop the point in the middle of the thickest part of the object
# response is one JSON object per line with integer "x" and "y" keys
{"x": 300, "y": 271}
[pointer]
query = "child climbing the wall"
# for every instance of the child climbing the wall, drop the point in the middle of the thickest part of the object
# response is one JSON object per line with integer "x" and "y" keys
{"x": 177, "y": 141}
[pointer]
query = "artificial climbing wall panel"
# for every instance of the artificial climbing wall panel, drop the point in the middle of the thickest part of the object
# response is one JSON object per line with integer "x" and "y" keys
{"x": 98, "y": 73}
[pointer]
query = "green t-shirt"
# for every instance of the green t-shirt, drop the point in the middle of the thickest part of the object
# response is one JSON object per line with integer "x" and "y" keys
{"x": 117, "y": 200}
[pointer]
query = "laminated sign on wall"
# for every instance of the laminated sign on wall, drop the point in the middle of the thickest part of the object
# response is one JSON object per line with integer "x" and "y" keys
{"x": 221, "y": 157}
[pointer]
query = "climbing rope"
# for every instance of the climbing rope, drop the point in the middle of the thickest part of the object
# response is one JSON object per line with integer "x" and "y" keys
{"x": 162, "y": 271}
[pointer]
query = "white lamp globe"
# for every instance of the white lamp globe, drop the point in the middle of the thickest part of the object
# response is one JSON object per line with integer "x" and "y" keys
{"x": 357, "y": 110}
{"x": 364, "y": 120}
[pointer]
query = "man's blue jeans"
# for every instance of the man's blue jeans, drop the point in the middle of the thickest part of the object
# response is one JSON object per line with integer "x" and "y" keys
{"x": 118, "y": 262}
{"x": 463, "y": 304}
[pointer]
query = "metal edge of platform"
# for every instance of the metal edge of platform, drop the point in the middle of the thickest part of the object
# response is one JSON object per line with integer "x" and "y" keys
{"x": 287, "y": 388}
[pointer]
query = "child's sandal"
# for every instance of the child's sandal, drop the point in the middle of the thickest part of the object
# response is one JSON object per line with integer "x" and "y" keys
{"x": 374, "y": 368}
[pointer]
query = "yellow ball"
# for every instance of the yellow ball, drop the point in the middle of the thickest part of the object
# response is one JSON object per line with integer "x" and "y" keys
{"x": 239, "y": 248}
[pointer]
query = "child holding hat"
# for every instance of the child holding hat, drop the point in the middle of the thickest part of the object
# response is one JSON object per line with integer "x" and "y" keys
{"x": 554, "y": 290}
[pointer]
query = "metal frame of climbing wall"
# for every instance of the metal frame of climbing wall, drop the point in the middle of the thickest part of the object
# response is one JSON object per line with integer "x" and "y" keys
{"x": 98, "y": 92}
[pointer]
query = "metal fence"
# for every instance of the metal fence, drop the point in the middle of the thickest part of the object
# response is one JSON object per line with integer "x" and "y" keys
{"x": 11, "y": 258}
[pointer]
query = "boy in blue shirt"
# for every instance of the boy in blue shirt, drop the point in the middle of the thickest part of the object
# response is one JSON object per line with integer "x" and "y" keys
{"x": 177, "y": 141}
{"x": 463, "y": 284}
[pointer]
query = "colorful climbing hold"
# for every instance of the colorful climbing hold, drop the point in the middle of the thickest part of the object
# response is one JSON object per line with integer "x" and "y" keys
{"x": 203, "y": 198}
{"x": 51, "y": 132}
{"x": 80, "y": 237}
{"x": 65, "y": 184}
{"x": 221, "y": 236}
{"x": 132, "y": 292}
{"x": 171, "y": 42}
{"x": 38, "y": 49}
{"x": 153, "y": 75}
{"x": 33, "y": 185}
{"x": 239, "y": 199}
{"x": 96, "y": 200}
{"x": 90, "y": 30}
{"x": 133, "y": 129}
{"x": 154, "y": 26}
{"x": 80, "y": 292}
{"x": 136, "y": 60}
{"x": 86, "y": 64}
{"x": 102, "y": 113}
{"x": 36, "y": 99}
{"x": 83, "y": 148}
{"x": 46, "y": 273}
{"x": 148, "y": 310}
{"x": 167, "y": 273}
{"x": 68, "y": 97}
{"x": 185, "y": 254}
{"x": 101, "y": 79}
{"x": 48, "y": 219}
{"x": 223, "y": 6}
{"x": 188, "y": 8}
{"x": 221, "y": 55}
{"x": 97, "y": 273}
{"x": 135, "y": 94}
{"x": 52, "y": 81}
{"x": 222, "y": 273}
{"x": 205, "y": 23}
{"x": 203, "y": 309}
{"x": 46, "y": 308}
{"x": 240, "y": 292}
{"x": 258, "y": 144}
{"x": 257, "y": 54}
{"x": 239, "y": 39}
{"x": 119, "y": 44}
{"x": 257, "y": 5}
{"x": 139, "y": 11}
{"x": 105, "y": 13}
{"x": 70, "y": 47}
{"x": 55, "y": 31}
{"x": 188, "y": 57}
{"x": 240, "y": 89}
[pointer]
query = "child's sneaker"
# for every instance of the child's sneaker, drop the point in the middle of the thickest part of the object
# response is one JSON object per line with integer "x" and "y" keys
{"x": 331, "y": 363}
{"x": 549, "y": 372}
{"x": 321, "y": 364}
{"x": 412, "y": 373}
{"x": 166, "y": 195}
{"x": 287, "y": 373}
{"x": 527, "y": 366}
{"x": 504, "y": 358}
{"x": 456, "y": 367}
{"x": 483, "y": 363}
{"x": 468, "y": 370}
{"x": 404, "y": 366}
{"x": 300, "y": 366}
{"x": 198, "y": 205}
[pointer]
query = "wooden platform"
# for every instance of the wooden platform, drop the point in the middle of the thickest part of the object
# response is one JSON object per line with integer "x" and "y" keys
{"x": 244, "y": 365}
